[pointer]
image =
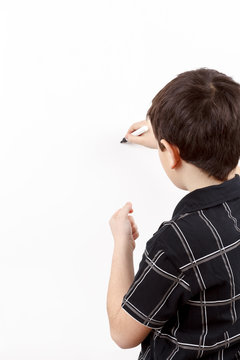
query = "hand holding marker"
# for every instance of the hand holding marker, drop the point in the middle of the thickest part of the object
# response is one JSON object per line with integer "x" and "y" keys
{"x": 137, "y": 132}
{"x": 147, "y": 138}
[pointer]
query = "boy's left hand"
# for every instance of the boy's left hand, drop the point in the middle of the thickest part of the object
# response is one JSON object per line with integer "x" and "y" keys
{"x": 123, "y": 226}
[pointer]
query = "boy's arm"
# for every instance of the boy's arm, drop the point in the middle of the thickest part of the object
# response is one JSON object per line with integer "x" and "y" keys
{"x": 125, "y": 330}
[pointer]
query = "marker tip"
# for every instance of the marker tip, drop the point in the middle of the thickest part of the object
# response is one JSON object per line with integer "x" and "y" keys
{"x": 123, "y": 140}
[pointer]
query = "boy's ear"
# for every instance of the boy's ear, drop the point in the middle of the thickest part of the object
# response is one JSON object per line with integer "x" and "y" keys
{"x": 172, "y": 153}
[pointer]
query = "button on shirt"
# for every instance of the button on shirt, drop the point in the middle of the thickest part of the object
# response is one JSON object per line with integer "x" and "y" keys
{"x": 187, "y": 287}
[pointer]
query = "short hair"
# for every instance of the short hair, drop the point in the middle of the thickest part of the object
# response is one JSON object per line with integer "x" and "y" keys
{"x": 199, "y": 112}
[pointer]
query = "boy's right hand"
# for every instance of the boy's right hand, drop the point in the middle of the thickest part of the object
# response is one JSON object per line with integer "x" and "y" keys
{"x": 146, "y": 139}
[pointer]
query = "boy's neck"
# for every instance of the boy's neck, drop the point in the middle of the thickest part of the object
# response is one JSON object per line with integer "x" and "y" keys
{"x": 193, "y": 178}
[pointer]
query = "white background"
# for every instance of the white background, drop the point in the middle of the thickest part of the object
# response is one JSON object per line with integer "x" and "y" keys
{"x": 74, "y": 75}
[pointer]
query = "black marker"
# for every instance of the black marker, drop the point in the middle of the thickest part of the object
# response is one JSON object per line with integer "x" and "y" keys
{"x": 137, "y": 132}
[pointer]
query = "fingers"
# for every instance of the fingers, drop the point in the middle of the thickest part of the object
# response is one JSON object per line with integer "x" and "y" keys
{"x": 134, "y": 226}
{"x": 134, "y": 139}
{"x": 122, "y": 214}
{"x": 125, "y": 210}
{"x": 131, "y": 219}
{"x": 146, "y": 139}
{"x": 140, "y": 139}
{"x": 135, "y": 235}
{"x": 135, "y": 126}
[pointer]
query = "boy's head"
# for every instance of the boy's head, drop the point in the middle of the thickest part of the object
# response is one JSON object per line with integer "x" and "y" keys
{"x": 198, "y": 114}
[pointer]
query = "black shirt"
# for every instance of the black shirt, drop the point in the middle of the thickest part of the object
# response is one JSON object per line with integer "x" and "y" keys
{"x": 187, "y": 288}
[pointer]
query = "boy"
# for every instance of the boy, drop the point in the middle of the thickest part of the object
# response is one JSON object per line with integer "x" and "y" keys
{"x": 184, "y": 301}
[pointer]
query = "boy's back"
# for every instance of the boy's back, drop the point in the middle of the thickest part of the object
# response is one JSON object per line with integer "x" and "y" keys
{"x": 195, "y": 257}
{"x": 184, "y": 301}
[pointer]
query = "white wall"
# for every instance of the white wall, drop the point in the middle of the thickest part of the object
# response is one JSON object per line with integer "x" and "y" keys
{"x": 74, "y": 75}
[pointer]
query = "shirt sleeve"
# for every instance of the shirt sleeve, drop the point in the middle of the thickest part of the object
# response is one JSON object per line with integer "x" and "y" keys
{"x": 158, "y": 289}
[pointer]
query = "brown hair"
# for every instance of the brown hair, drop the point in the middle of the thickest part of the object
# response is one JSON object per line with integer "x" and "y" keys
{"x": 199, "y": 112}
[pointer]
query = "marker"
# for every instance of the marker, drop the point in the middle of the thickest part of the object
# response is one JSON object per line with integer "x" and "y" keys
{"x": 137, "y": 132}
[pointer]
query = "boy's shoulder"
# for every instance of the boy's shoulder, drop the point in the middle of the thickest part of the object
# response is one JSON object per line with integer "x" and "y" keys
{"x": 203, "y": 222}
{"x": 176, "y": 237}
{"x": 190, "y": 237}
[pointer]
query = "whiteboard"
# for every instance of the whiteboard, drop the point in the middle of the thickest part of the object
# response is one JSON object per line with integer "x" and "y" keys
{"x": 74, "y": 75}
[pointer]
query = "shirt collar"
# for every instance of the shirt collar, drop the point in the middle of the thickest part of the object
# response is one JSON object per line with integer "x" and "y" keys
{"x": 209, "y": 196}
